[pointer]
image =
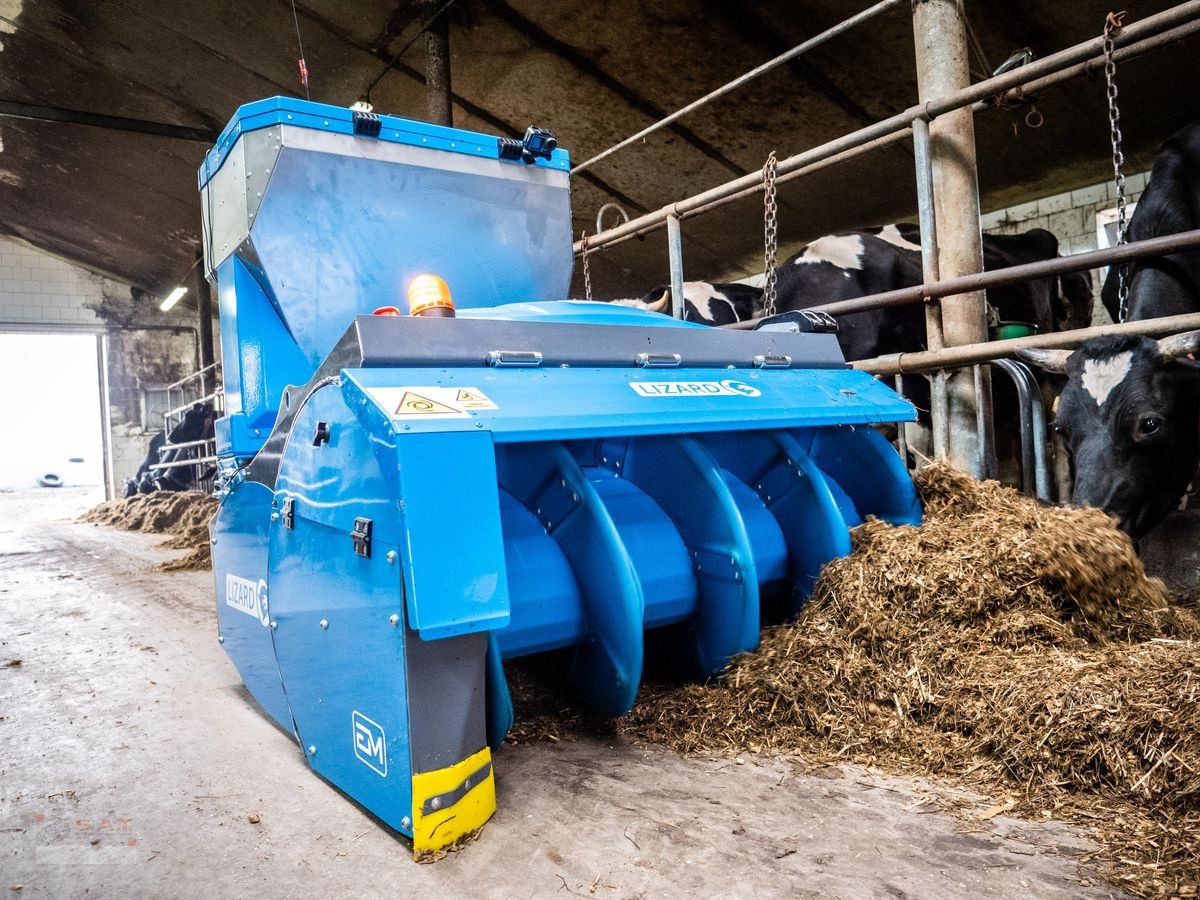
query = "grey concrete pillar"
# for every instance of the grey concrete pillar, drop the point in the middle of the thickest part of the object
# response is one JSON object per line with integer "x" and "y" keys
{"x": 437, "y": 68}
{"x": 940, "y": 36}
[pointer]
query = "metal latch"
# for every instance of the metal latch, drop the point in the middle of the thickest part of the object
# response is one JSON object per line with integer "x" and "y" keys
{"x": 361, "y": 535}
{"x": 782, "y": 361}
{"x": 526, "y": 358}
{"x": 321, "y": 434}
{"x": 288, "y": 513}
{"x": 659, "y": 360}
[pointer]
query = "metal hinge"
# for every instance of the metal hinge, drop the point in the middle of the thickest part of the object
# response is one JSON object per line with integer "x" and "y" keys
{"x": 361, "y": 535}
{"x": 288, "y": 513}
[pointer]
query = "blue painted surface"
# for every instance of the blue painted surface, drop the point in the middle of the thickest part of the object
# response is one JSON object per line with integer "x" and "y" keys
{"x": 566, "y": 404}
{"x": 258, "y": 359}
{"x": 339, "y": 120}
{"x": 240, "y": 565}
{"x": 341, "y": 235}
{"x": 576, "y": 312}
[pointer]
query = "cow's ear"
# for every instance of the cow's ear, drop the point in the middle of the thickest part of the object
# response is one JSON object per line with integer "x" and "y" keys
{"x": 1050, "y": 360}
{"x": 660, "y": 305}
{"x": 1178, "y": 346}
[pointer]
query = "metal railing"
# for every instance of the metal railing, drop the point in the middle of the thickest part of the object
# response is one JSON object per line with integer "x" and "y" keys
{"x": 198, "y": 455}
{"x": 1154, "y": 31}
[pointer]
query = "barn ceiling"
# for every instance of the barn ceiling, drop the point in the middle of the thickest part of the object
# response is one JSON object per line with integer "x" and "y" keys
{"x": 124, "y": 202}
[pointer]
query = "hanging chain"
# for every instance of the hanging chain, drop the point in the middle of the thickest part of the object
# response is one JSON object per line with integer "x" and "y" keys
{"x": 770, "y": 236}
{"x": 1112, "y": 25}
{"x": 587, "y": 272}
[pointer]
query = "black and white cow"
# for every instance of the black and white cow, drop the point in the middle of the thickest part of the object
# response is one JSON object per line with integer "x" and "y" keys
{"x": 197, "y": 424}
{"x": 1130, "y": 418}
{"x": 705, "y": 302}
{"x": 858, "y": 263}
{"x": 1130, "y": 413}
{"x": 1168, "y": 285}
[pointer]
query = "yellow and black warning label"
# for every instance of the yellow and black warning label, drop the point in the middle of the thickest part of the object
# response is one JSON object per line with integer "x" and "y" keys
{"x": 414, "y": 404}
{"x": 432, "y": 401}
{"x": 473, "y": 398}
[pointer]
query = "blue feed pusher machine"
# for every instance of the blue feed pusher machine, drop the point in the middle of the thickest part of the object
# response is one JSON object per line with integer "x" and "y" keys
{"x": 407, "y": 501}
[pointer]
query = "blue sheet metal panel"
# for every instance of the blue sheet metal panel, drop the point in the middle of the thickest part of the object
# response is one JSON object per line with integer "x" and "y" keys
{"x": 454, "y": 574}
{"x": 339, "y": 235}
{"x": 239, "y": 553}
{"x": 662, "y": 562}
{"x": 499, "y": 699}
{"x": 577, "y": 312}
{"x": 547, "y": 610}
{"x": 345, "y": 681}
{"x": 766, "y": 540}
{"x": 688, "y": 483}
{"x": 341, "y": 479}
{"x": 607, "y": 669}
{"x": 259, "y": 359}
{"x": 572, "y": 403}
{"x": 868, "y": 468}
{"x": 339, "y": 120}
{"x": 797, "y": 495}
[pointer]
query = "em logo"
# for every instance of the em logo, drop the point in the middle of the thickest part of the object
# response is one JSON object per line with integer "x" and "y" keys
{"x": 370, "y": 743}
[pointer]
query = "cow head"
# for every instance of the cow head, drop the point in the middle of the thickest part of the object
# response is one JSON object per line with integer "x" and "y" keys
{"x": 656, "y": 301}
{"x": 1130, "y": 419}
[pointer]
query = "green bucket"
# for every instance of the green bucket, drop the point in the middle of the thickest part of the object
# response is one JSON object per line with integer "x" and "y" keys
{"x": 1007, "y": 330}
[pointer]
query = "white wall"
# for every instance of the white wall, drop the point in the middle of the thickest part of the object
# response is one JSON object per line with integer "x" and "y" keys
{"x": 1071, "y": 217}
{"x": 40, "y": 292}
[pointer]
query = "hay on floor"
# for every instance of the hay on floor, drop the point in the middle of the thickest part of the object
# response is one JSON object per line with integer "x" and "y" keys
{"x": 1011, "y": 647}
{"x": 184, "y": 515}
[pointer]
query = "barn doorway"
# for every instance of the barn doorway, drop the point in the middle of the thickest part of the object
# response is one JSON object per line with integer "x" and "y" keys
{"x": 52, "y": 407}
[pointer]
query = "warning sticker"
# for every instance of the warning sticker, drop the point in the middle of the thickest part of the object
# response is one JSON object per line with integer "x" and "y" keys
{"x": 414, "y": 404}
{"x": 473, "y": 398}
{"x": 432, "y": 401}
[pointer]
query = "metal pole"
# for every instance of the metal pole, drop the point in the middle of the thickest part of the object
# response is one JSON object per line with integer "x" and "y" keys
{"x": 770, "y": 64}
{"x": 1056, "y": 62}
{"x": 437, "y": 71}
{"x": 675, "y": 250}
{"x": 969, "y": 354}
{"x": 930, "y": 272}
{"x": 205, "y": 331}
{"x": 940, "y": 30}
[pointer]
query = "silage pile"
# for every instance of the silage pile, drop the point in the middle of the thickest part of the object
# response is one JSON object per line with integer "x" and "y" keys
{"x": 182, "y": 514}
{"x": 1016, "y": 648}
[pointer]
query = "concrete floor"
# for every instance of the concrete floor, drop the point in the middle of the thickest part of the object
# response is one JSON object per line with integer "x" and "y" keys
{"x": 131, "y": 761}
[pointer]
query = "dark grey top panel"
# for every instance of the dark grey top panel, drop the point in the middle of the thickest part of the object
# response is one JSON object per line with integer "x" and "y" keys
{"x": 406, "y": 341}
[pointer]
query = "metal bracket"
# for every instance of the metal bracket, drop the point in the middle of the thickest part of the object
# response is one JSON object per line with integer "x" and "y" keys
{"x": 366, "y": 124}
{"x": 452, "y": 796}
{"x": 361, "y": 535}
{"x": 288, "y": 513}
{"x": 805, "y": 321}
{"x": 321, "y": 434}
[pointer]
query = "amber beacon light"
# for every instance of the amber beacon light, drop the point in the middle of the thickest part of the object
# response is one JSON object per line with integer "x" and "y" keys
{"x": 429, "y": 295}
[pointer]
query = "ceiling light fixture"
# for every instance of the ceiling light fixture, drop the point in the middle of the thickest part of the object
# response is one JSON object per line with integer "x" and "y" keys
{"x": 172, "y": 298}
